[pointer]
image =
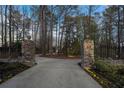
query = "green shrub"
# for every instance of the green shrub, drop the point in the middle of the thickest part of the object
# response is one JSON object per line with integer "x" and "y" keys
{"x": 120, "y": 69}
{"x": 16, "y": 44}
{"x": 114, "y": 73}
{"x": 103, "y": 67}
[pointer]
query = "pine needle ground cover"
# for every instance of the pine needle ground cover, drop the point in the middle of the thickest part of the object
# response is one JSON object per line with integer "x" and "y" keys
{"x": 8, "y": 70}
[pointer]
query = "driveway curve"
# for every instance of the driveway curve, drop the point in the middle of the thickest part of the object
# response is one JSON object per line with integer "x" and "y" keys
{"x": 52, "y": 73}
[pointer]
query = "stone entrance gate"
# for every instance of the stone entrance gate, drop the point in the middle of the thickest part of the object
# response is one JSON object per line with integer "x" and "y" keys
{"x": 28, "y": 52}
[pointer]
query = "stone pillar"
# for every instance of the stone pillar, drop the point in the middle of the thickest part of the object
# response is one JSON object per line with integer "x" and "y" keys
{"x": 28, "y": 51}
{"x": 88, "y": 52}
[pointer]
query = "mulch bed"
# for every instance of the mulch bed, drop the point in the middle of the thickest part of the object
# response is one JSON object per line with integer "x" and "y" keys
{"x": 8, "y": 70}
{"x": 105, "y": 83}
{"x": 102, "y": 80}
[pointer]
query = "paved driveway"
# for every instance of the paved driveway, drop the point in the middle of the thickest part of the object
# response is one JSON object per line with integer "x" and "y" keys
{"x": 52, "y": 73}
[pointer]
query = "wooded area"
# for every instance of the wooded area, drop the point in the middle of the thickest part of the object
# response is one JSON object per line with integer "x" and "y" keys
{"x": 60, "y": 30}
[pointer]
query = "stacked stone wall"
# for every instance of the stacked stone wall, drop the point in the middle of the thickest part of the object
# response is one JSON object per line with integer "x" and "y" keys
{"x": 88, "y": 52}
{"x": 28, "y": 52}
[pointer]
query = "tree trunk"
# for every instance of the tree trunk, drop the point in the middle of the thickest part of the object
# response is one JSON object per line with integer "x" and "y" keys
{"x": 51, "y": 32}
{"x": 42, "y": 30}
{"x": 5, "y": 38}
{"x": 2, "y": 35}
{"x": 90, "y": 11}
{"x": 10, "y": 22}
{"x": 118, "y": 32}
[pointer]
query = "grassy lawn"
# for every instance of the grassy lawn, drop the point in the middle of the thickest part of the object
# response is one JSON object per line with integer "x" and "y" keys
{"x": 8, "y": 70}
